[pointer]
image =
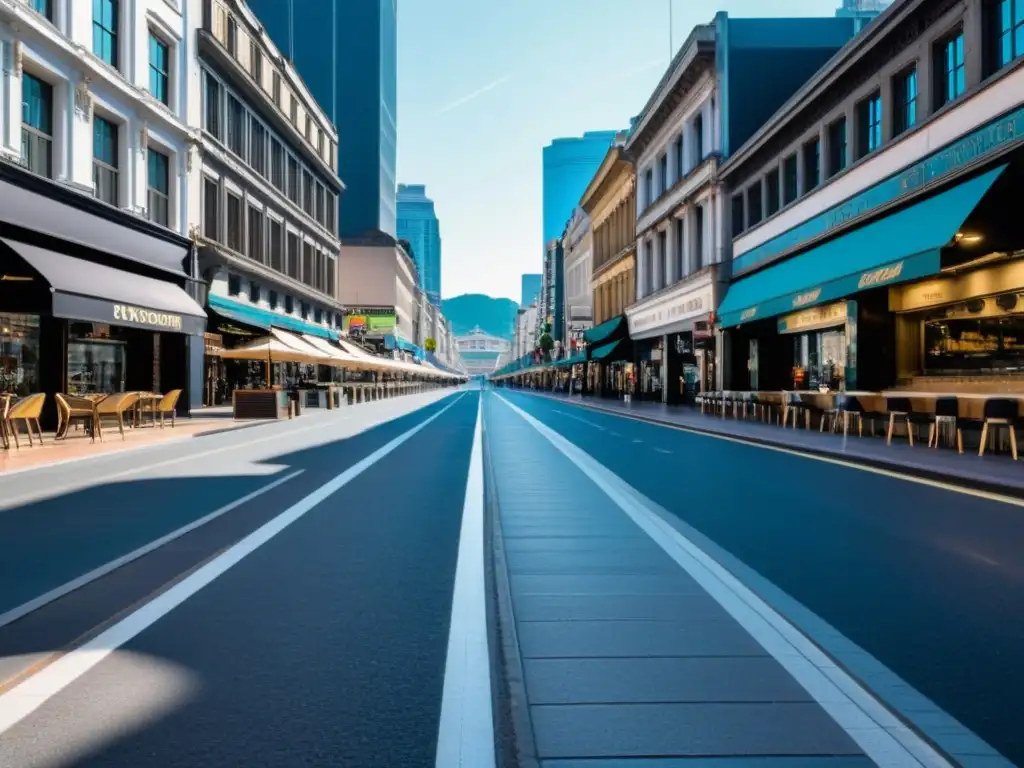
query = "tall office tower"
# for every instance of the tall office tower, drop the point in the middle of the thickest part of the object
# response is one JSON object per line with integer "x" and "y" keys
{"x": 417, "y": 223}
{"x": 530, "y": 288}
{"x": 569, "y": 165}
{"x": 347, "y": 53}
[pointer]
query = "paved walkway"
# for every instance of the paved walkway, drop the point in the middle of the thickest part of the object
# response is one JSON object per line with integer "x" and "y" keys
{"x": 996, "y": 472}
{"x": 625, "y": 656}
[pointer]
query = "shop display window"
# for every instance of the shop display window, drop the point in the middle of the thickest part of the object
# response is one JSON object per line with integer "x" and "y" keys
{"x": 19, "y": 354}
{"x": 819, "y": 360}
{"x": 974, "y": 344}
{"x": 97, "y": 355}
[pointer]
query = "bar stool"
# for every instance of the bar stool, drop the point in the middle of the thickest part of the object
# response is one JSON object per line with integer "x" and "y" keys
{"x": 796, "y": 406}
{"x": 850, "y": 409}
{"x": 999, "y": 413}
{"x": 830, "y": 416}
{"x": 946, "y": 425}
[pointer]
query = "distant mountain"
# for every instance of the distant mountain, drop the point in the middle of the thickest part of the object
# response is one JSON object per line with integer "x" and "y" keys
{"x": 494, "y": 316}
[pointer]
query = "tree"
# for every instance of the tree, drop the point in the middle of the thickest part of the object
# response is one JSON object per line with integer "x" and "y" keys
{"x": 545, "y": 343}
{"x": 430, "y": 345}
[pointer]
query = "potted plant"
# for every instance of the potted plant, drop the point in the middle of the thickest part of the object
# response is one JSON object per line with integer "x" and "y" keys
{"x": 545, "y": 343}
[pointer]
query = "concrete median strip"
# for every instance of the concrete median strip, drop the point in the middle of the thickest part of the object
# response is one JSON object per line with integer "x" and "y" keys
{"x": 877, "y": 731}
{"x": 22, "y": 700}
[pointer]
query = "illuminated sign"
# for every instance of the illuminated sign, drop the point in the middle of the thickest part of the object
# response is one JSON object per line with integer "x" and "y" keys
{"x": 140, "y": 316}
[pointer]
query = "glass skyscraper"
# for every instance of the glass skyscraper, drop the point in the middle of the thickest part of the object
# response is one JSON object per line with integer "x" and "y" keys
{"x": 531, "y": 287}
{"x": 417, "y": 223}
{"x": 347, "y": 53}
{"x": 569, "y": 165}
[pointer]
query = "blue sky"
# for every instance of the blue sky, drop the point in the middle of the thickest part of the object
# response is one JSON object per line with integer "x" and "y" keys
{"x": 484, "y": 85}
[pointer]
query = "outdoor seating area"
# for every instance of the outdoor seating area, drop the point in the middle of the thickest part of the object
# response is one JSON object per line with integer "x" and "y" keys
{"x": 920, "y": 418}
{"x": 85, "y": 414}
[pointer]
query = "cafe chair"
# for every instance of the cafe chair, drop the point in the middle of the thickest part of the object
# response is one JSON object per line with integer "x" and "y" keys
{"x": 27, "y": 410}
{"x": 899, "y": 409}
{"x": 945, "y": 426}
{"x": 830, "y": 417}
{"x": 71, "y": 408}
{"x": 167, "y": 405}
{"x": 795, "y": 406}
{"x": 850, "y": 410}
{"x": 999, "y": 413}
{"x": 114, "y": 407}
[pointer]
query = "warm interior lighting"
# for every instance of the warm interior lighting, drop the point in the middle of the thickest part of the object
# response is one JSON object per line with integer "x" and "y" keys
{"x": 15, "y": 279}
{"x": 967, "y": 238}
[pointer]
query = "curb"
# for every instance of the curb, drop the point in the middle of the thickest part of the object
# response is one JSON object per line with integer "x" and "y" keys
{"x": 881, "y": 464}
{"x": 513, "y": 728}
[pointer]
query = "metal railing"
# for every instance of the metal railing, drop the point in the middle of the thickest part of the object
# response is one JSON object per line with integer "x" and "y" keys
{"x": 37, "y": 152}
{"x": 159, "y": 207}
{"x": 105, "y": 179}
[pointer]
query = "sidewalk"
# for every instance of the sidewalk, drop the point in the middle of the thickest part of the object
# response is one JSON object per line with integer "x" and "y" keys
{"x": 625, "y": 657}
{"x": 993, "y": 472}
{"x": 79, "y": 446}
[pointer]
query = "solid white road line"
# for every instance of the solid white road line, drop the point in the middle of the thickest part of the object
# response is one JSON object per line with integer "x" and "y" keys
{"x": 466, "y": 732}
{"x": 9, "y": 502}
{"x": 882, "y": 736}
{"x": 47, "y": 597}
{"x": 25, "y": 698}
{"x": 807, "y": 454}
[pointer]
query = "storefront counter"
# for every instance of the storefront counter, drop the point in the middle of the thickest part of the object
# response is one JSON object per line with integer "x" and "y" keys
{"x": 260, "y": 404}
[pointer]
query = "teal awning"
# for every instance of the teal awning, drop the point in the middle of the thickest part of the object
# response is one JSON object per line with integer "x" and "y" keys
{"x": 903, "y": 246}
{"x": 612, "y": 352}
{"x": 265, "y": 318}
{"x": 605, "y": 331}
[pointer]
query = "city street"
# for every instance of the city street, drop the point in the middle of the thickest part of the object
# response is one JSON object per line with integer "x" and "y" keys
{"x": 324, "y": 646}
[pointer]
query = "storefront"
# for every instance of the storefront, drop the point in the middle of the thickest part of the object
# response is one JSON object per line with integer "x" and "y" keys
{"x": 832, "y": 316}
{"x": 609, "y": 353}
{"x": 92, "y": 299}
{"x": 672, "y": 334}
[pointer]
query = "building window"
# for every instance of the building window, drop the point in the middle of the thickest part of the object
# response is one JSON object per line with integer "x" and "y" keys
{"x": 837, "y": 147}
{"x": 232, "y": 36}
{"x": 307, "y": 191}
{"x": 256, "y": 62}
{"x": 276, "y": 87}
{"x": 680, "y": 255}
{"x": 321, "y": 214}
{"x": 293, "y": 179}
{"x": 254, "y": 292}
{"x": 648, "y": 187}
{"x": 950, "y": 78}
{"x": 275, "y": 247}
{"x": 289, "y": 304}
{"x": 303, "y": 310}
{"x": 104, "y": 159}
{"x": 869, "y": 128}
{"x": 234, "y": 285}
{"x": 698, "y": 137}
{"x": 211, "y": 209}
{"x": 904, "y": 97}
{"x": 320, "y": 143}
{"x": 771, "y": 181}
{"x": 159, "y": 67}
{"x": 292, "y": 265}
{"x": 307, "y": 264}
{"x": 104, "y": 30}
{"x": 1007, "y": 25}
{"x": 812, "y": 165}
{"x": 255, "y": 235}
{"x": 318, "y": 315}
{"x": 294, "y": 112}
{"x": 331, "y": 288}
{"x": 257, "y": 146}
{"x": 234, "y": 223}
{"x": 277, "y": 164}
{"x": 698, "y": 236}
{"x": 663, "y": 172}
{"x": 680, "y": 155}
{"x": 648, "y": 268}
{"x": 45, "y": 7}
{"x": 272, "y": 299}
{"x": 789, "y": 180}
{"x": 737, "y": 214}
{"x": 211, "y": 114}
{"x": 755, "y": 204}
{"x": 158, "y": 180}
{"x": 236, "y": 127}
{"x": 332, "y": 212}
{"x": 663, "y": 258}
{"x": 37, "y": 125}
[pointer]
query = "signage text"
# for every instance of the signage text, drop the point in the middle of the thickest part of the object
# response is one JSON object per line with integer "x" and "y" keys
{"x": 140, "y": 316}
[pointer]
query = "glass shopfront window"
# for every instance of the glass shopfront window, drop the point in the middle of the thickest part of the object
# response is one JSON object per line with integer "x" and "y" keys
{"x": 97, "y": 356}
{"x": 819, "y": 360}
{"x": 977, "y": 336}
{"x": 19, "y": 354}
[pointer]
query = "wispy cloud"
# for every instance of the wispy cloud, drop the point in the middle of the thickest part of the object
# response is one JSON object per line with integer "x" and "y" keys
{"x": 474, "y": 94}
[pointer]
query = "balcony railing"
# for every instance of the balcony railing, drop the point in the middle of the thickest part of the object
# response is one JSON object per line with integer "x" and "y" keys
{"x": 37, "y": 152}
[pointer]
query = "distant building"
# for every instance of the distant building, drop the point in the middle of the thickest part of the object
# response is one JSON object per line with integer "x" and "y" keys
{"x": 480, "y": 351}
{"x": 347, "y": 53}
{"x": 530, "y": 288}
{"x": 863, "y": 11}
{"x": 417, "y": 223}
{"x": 569, "y": 165}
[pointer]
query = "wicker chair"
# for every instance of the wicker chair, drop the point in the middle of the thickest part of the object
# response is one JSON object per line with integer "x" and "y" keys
{"x": 167, "y": 405}
{"x": 114, "y": 407}
{"x": 28, "y": 410}
{"x": 72, "y": 408}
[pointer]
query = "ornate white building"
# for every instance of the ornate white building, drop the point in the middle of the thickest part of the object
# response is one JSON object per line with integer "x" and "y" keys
{"x": 480, "y": 351}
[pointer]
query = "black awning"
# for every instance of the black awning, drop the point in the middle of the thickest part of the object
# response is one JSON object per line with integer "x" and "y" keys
{"x": 83, "y": 290}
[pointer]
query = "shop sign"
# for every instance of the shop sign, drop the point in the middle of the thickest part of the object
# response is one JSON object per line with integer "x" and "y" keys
{"x": 824, "y": 316}
{"x": 367, "y": 323}
{"x": 684, "y": 307}
{"x": 933, "y": 169}
{"x": 880, "y": 276}
{"x": 124, "y": 313}
{"x": 990, "y": 281}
